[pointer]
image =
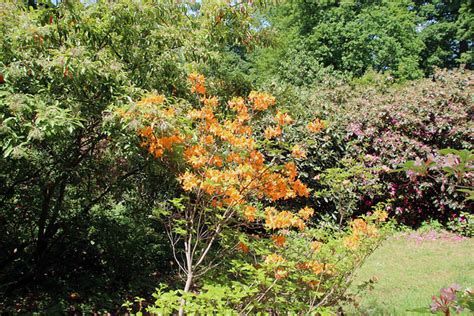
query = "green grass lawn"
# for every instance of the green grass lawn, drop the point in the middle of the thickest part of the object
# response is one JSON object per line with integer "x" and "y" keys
{"x": 409, "y": 272}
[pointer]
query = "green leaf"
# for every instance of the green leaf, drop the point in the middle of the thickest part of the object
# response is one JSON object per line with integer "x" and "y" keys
{"x": 420, "y": 310}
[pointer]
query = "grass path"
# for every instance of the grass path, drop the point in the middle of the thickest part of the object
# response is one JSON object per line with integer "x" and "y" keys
{"x": 409, "y": 269}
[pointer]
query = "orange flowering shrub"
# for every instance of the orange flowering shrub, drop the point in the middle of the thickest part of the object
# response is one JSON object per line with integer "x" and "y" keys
{"x": 213, "y": 149}
{"x": 229, "y": 185}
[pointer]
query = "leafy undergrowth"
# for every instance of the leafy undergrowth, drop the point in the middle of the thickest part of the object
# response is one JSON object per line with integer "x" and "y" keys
{"x": 408, "y": 269}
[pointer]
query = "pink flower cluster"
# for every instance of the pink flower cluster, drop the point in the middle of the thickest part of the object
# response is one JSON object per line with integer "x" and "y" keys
{"x": 446, "y": 300}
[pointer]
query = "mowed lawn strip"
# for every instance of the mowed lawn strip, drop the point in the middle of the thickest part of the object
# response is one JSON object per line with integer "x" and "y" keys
{"x": 410, "y": 270}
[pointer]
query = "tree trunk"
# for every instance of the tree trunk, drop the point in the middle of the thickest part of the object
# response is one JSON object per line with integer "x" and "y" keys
{"x": 189, "y": 282}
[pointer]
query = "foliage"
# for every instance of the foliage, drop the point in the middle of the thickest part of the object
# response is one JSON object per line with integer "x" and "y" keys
{"x": 345, "y": 185}
{"x": 211, "y": 299}
{"x": 350, "y": 37}
{"x": 457, "y": 164}
{"x": 76, "y": 192}
{"x": 462, "y": 224}
{"x": 451, "y": 163}
{"x": 102, "y": 196}
{"x": 381, "y": 125}
{"x": 303, "y": 272}
{"x": 406, "y": 39}
{"x": 414, "y": 123}
{"x": 447, "y": 32}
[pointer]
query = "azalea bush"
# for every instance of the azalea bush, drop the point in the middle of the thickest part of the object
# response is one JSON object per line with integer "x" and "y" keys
{"x": 211, "y": 149}
{"x": 227, "y": 202}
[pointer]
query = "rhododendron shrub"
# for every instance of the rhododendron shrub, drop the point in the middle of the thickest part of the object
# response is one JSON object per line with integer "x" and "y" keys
{"x": 380, "y": 127}
{"x": 231, "y": 194}
{"x": 414, "y": 123}
{"x": 456, "y": 166}
{"x": 451, "y": 300}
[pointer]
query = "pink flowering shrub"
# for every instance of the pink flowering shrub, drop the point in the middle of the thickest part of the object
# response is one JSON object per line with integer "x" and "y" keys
{"x": 414, "y": 123}
{"x": 372, "y": 130}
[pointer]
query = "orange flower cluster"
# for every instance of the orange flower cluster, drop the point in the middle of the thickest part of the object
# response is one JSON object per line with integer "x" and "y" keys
{"x": 315, "y": 266}
{"x": 282, "y": 219}
{"x": 316, "y": 126}
{"x": 298, "y": 152}
{"x": 300, "y": 189}
{"x": 249, "y": 213}
{"x": 283, "y": 118}
{"x": 352, "y": 241}
{"x": 243, "y": 247}
{"x": 153, "y": 99}
{"x": 157, "y": 145}
{"x": 290, "y": 169}
{"x": 272, "y": 132}
{"x": 197, "y": 83}
{"x": 189, "y": 181}
{"x": 261, "y": 100}
{"x": 360, "y": 229}
{"x": 211, "y": 102}
{"x": 306, "y": 212}
{"x": 238, "y": 105}
{"x": 313, "y": 283}
{"x": 280, "y": 273}
{"x": 196, "y": 155}
{"x": 274, "y": 259}
{"x": 381, "y": 215}
{"x": 279, "y": 240}
{"x": 316, "y": 245}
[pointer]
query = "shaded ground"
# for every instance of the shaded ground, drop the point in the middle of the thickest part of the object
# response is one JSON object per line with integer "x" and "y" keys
{"x": 409, "y": 268}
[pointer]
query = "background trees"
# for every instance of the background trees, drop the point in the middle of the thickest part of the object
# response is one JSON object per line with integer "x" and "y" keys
{"x": 447, "y": 31}
{"x": 404, "y": 38}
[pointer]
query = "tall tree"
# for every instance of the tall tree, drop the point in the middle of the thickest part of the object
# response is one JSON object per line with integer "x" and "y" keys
{"x": 404, "y": 38}
{"x": 447, "y": 29}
